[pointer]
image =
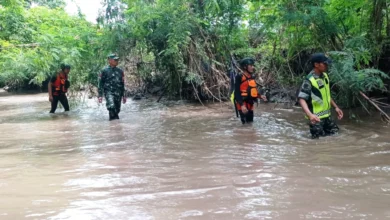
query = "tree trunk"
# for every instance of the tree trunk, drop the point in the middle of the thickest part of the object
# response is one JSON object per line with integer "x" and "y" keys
{"x": 377, "y": 19}
{"x": 387, "y": 20}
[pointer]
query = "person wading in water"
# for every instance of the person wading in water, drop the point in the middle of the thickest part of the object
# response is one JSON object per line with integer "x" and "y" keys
{"x": 58, "y": 87}
{"x": 245, "y": 91}
{"x": 315, "y": 98}
{"x": 112, "y": 85}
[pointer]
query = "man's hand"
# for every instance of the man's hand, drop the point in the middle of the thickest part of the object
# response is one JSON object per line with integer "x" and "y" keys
{"x": 314, "y": 118}
{"x": 244, "y": 109}
{"x": 124, "y": 100}
{"x": 100, "y": 99}
{"x": 264, "y": 98}
{"x": 340, "y": 113}
{"x": 50, "y": 98}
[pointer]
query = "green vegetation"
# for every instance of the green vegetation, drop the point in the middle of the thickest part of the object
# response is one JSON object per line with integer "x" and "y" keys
{"x": 185, "y": 46}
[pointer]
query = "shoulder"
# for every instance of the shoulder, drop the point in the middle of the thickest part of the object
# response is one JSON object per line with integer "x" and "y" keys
{"x": 106, "y": 69}
{"x": 306, "y": 86}
{"x": 309, "y": 76}
{"x": 121, "y": 71}
{"x": 306, "y": 82}
{"x": 305, "y": 90}
{"x": 53, "y": 77}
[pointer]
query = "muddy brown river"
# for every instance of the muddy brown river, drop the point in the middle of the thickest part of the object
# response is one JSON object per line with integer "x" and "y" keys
{"x": 184, "y": 161}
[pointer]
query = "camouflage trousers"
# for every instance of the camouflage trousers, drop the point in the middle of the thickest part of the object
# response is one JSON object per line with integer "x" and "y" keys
{"x": 326, "y": 127}
{"x": 113, "y": 102}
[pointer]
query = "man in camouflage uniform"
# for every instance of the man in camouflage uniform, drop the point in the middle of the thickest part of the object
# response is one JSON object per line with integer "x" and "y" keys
{"x": 315, "y": 98}
{"x": 112, "y": 85}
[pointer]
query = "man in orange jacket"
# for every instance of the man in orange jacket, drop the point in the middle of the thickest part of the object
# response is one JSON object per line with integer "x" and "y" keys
{"x": 58, "y": 87}
{"x": 245, "y": 91}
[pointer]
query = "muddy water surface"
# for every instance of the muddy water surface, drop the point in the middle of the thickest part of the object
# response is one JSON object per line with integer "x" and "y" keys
{"x": 175, "y": 161}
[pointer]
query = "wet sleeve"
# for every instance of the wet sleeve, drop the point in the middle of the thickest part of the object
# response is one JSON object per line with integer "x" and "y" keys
{"x": 101, "y": 83}
{"x": 123, "y": 84}
{"x": 67, "y": 84}
{"x": 237, "y": 92}
{"x": 305, "y": 90}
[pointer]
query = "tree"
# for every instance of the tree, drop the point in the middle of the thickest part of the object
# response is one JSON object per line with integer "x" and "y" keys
{"x": 39, "y": 39}
{"x": 185, "y": 46}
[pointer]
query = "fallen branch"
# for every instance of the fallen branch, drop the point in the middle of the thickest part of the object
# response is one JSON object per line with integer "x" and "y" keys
{"x": 375, "y": 99}
{"x": 377, "y": 107}
{"x": 381, "y": 104}
{"x": 365, "y": 108}
{"x": 219, "y": 100}
{"x": 196, "y": 93}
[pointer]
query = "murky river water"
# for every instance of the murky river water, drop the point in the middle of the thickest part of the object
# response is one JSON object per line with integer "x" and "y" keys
{"x": 172, "y": 161}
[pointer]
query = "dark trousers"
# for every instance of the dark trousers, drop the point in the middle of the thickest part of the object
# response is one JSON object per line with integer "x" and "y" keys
{"x": 113, "y": 103}
{"x": 64, "y": 102}
{"x": 326, "y": 127}
{"x": 248, "y": 117}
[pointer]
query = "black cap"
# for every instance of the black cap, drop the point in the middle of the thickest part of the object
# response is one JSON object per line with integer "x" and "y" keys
{"x": 320, "y": 58}
{"x": 113, "y": 56}
{"x": 65, "y": 66}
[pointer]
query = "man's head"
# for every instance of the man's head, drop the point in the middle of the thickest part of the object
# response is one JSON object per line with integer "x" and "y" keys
{"x": 320, "y": 62}
{"x": 65, "y": 68}
{"x": 113, "y": 59}
{"x": 248, "y": 64}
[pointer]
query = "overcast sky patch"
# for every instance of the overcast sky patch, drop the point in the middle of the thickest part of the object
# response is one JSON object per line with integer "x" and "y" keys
{"x": 90, "y": 8}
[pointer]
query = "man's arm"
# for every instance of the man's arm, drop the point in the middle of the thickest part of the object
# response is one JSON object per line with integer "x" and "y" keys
{"x": 101, "y": 84}
{"x": 123, "y": 88}
{"x": 303, "y": 98}
{"x": 123, "y": 84}
{"x": 67, "y": 84}
{"x": 50, "y": 88}
{"x": 312, "y": 117}
{"x": 50, "y": 92}
{"x": 305, "y": 107}
{"x": 333, "y": 103}
{"x": 263, "y": 97}
{"x": 340, "y": 113}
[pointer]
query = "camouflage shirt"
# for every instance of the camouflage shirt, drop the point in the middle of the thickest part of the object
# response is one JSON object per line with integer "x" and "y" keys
{"x": 112, "y": 80}
{"x": 305, "y": 90}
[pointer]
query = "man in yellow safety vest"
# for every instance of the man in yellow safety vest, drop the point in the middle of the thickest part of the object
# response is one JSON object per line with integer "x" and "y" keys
{"x": 315, "y": 98}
